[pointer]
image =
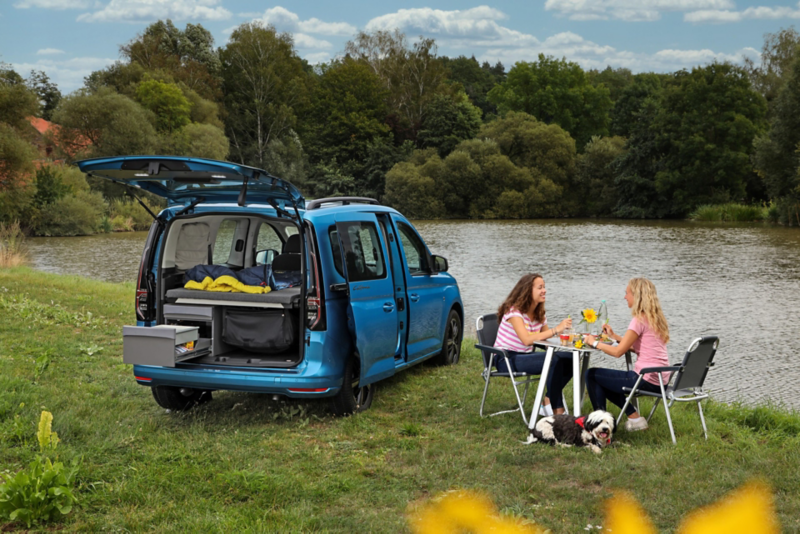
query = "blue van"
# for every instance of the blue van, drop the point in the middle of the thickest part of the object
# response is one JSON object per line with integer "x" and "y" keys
{"x": 334, "y": 295}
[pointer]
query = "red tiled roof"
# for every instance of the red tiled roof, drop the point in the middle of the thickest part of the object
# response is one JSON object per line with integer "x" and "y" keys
{"x": 41, "y": 125}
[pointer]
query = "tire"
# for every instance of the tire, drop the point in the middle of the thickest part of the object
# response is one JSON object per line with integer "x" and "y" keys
{"x": 451, "y": 345}
{"x": 351, "y": 398}
{"x": 179, "y": 399}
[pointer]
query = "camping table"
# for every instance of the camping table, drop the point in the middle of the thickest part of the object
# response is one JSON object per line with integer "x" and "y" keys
{"x": 580, "y": 362}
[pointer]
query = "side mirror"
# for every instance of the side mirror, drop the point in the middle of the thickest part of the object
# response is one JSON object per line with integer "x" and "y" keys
{"x": 439, "y": 264}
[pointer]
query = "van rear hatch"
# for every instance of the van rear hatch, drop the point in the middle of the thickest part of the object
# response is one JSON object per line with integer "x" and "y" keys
{"x": 182, "y": 180}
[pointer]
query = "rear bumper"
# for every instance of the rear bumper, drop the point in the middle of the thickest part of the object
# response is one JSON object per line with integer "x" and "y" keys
{"x": 254, "y": 382}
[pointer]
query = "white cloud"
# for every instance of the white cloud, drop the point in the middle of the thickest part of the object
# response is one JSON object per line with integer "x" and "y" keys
{"x": 594, "y": 56}
{"x": 54, "y": 4}
{"x": 49, "y": 52}
{"x": 301, "y": 40}
{"x": 285, "y": 20}
{"x": 477, "y": 25}
{"x": 630, "y": 10}
{"x": 151, "y": 10}
{"x": 68, "y": 74}
{"x": 721, "y": 16}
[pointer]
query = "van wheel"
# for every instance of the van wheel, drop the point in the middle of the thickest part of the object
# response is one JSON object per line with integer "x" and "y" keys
{"x": 351, "y": 398}
{"x": 451, "y": 346}
{"x": 179, "y": 399}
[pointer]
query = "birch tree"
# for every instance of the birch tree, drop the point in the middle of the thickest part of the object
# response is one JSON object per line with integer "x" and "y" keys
{"x": 265, "y": 83}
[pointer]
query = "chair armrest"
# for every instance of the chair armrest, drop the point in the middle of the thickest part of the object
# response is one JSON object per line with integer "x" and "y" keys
{"x": 495, "y": 350}
{"x": 659, "y": 369}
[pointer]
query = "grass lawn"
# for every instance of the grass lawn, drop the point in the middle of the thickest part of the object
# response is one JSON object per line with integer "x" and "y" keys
{"x": 245, "y": 462}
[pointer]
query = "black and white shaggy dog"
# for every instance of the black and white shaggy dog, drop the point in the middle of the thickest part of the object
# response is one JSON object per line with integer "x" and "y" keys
{"x": 593, "y": 430}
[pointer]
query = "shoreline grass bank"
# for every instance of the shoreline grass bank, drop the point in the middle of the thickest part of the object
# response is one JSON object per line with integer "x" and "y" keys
{"x": 732, "y": 212}
{"x": 245, "y": 462}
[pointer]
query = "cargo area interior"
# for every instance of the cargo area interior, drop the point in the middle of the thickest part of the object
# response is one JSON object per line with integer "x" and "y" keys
{"x": 235, "y": 328}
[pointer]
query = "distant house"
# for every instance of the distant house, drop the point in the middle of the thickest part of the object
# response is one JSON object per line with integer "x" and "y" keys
{"x": 44, "y": 139}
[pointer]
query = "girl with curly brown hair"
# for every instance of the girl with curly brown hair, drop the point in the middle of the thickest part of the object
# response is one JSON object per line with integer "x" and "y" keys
{"x": 522, "y": 323}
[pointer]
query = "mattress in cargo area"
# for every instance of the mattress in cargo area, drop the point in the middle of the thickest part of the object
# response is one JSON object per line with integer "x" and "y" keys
{"x": 285, "y": 298}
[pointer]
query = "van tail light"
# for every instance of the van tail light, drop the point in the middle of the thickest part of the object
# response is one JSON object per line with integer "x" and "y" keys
{"x": 313, "y": 312}
{"x": 144, "y": 309}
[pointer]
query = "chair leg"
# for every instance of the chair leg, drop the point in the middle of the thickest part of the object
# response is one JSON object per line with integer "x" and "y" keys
{"x": 624, "y": 407}
{"x": 485, "y": 391}
{"x": 631, "y": 396}
{"x": 655, "y": 405}
{"x": 525, "y": 393}
{"x": 702, "y": 420}
{"x": 666, "y": 409}
{"x": 519, "y": 401}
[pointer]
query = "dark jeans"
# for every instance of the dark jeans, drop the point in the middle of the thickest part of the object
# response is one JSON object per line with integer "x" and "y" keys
{"x": 606, "y": 384}
{"x": 532, "y": 363}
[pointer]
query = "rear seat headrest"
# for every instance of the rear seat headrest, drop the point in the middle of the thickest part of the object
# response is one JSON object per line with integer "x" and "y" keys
{"x": 292, "y": 245}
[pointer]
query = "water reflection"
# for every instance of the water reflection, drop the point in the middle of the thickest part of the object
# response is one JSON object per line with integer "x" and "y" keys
{"x": 110, "y": 257}
{"x": 737, "y": 281}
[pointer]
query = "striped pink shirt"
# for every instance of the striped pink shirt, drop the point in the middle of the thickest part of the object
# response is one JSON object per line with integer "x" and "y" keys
{"x": 508, "y": 339}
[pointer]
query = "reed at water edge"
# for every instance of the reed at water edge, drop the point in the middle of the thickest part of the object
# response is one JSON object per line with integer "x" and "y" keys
{"x": 731, "y": 212}
{"x": 13, "y": 251}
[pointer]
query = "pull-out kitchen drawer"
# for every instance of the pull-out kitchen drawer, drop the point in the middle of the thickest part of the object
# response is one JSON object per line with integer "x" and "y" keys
{"x": 178, "y": 312}
{"x": 162, "y": 345}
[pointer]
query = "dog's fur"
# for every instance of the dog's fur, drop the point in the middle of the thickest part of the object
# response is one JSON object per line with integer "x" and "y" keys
{"x": 596, "y": 432}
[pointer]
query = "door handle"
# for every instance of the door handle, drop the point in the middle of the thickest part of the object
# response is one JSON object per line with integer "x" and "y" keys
{"x": 388, "y": 307}
{"x": 413, "y": 297}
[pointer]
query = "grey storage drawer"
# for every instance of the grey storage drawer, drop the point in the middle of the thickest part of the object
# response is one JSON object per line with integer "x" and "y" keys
{"x": 156, "y": 345}
{"x": 177, "y": 312}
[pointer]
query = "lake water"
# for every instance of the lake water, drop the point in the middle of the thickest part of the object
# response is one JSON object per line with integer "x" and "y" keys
{"x": 741, "y": 282}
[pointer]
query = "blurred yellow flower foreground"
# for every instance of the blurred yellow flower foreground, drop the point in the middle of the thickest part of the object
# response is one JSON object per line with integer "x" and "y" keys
{"x": 750, "y": 510}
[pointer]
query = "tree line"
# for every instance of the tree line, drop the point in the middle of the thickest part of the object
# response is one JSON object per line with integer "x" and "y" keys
{"x": 390, "y": 118}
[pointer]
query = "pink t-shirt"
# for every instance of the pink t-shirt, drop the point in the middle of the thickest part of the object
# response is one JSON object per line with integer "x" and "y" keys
{"x": 650, "y": 349}
{"x": 507, "y": 337}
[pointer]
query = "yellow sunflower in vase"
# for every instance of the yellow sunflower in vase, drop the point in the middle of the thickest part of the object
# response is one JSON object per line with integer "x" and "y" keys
{"x": 589, "y": 315}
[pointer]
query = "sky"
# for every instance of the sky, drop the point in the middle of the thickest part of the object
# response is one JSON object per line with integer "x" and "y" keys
{"x": 68, "y": 39}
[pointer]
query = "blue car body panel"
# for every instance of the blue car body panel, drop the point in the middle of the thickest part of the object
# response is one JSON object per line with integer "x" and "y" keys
{"x": 391, "y": 317}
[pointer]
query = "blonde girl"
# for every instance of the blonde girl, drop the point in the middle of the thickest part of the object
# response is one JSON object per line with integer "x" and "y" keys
{"x": 647, "y": 336}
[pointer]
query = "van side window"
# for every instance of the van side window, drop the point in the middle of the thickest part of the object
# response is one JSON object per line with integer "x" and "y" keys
{"x": 224, "y": 241}
{"x": 336, "y": 249}
{"x": 268, "y": 238}
{"x": 413, "y": 249}
{"x": 363, "y": 252}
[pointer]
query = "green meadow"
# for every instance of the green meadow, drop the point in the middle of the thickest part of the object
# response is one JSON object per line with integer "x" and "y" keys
{"x": 246, "y": 463}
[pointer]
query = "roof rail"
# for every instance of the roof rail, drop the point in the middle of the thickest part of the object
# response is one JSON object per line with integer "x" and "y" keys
{"x": 343, "y": 201}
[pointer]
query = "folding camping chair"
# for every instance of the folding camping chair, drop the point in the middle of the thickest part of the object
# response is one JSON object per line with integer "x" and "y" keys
{"x": 685, "y": 384}
{"x": 486, "y": 326}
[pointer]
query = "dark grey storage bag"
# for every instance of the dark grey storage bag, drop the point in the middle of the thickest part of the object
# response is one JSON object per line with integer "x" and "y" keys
{"x": 264, "y": 331}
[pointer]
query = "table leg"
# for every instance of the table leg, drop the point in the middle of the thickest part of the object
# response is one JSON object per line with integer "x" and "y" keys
{"x": 548, "y": 358}
{"x": 577, "y": 390}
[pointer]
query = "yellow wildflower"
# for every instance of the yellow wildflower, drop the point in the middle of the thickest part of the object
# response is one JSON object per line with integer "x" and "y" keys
{"x": 462, "y": 511}
{"x": 589, "y": 315}
{"x": 578, "y": 344}
{"x": 748, "y": 509}
{"x": 47, "y": 438}
{"x": 624, "y": 515}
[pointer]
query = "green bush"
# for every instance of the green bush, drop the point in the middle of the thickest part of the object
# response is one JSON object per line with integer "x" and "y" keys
{"x": 78, "y": 214}
{"x": 129, "y": 215}
{"x": 730, "y": 212}
{"x": 43, "y": 491}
